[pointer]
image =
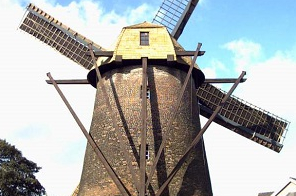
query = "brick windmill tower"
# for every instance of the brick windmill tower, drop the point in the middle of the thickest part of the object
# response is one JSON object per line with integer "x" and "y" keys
{"x": 145, "y": 137}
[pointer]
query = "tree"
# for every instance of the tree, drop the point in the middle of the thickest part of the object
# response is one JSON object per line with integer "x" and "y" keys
{"x": 17, "y": 173}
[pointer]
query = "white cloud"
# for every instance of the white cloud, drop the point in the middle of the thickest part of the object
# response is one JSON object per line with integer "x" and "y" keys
{"x": 214, "y": 69}
{"x": 209, "y": 72}
{"x": 269, "y": 79}
{"x": 216, "y": 66}
{"x": 270, "y": 85}
{"x": 245, "y": 53}
{"x": 203, "y": 3}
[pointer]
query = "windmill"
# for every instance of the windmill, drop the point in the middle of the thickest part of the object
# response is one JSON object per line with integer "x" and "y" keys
{"x": 145, "y": 137}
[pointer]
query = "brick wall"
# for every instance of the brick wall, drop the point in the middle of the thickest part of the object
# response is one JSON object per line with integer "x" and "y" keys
{"x": 123, "y": 87}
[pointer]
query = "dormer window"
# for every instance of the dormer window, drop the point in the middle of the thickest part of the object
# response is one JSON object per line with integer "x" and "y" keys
{"x": 144, "y": 38}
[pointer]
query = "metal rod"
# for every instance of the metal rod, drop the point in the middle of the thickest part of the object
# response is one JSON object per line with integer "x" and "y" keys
{"x": 144, "y": 129}
{"x": 115, "y": 125}
{"x": 174, "y": 113}
{"x": 199, "y": 135}
{"x": 91, "y": 141}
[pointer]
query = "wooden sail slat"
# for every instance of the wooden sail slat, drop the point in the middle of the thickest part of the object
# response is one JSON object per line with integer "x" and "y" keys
{"x": 244, "y": 118}
{"x": 58, "y": 36}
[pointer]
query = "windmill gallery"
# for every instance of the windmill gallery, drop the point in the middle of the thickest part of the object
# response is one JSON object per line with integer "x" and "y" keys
{"x": 145, "y": 137}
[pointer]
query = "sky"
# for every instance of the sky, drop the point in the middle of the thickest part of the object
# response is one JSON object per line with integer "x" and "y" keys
{"x": 258, "y": 37}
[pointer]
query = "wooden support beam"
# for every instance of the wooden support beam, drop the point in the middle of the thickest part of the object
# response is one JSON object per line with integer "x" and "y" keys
{"x": 209, "y": 80}
{"x": 110, "y": 53}
{"x": 114, "y": 122}
{"x": 199, "y": 135}
{"x": 91, "y": 141}
{"x": 173, "y": 116}
{"x": 142, "y": 191}
{"x": 118, "y": 59}
{"x": 100, "y": 53}
{"x": 189, "y": 53}
{"x": 170, "y": 58}
{"x": 183, "y": 19}
{"x": 74, "y": 81}
{"x": 223, "y": 80}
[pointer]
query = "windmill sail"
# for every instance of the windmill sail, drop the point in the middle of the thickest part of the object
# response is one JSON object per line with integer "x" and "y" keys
{"x": 57, "y": 35}
{"x": 244, "y": 118}
{"x": 239, "y": 116}
{"x": 174, "y": 14}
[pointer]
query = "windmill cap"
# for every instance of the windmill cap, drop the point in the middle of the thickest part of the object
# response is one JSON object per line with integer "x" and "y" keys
{"x": 146, "y": 40}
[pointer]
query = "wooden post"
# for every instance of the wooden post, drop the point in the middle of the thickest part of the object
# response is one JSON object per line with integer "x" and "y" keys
{"x": 144, "y": 129}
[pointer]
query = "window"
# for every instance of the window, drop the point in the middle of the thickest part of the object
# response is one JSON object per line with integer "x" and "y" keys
{"x": 148, "y": 92}
{"x": 147, "y": 152}
{"x": 147, "y": 155}
{"x": 144, "y": 38}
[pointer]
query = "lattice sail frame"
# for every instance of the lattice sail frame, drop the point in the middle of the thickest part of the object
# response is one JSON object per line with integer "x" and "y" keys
{"x": 58, "y": 36}
{"x": 174, "y": 14}
{"x": 169, "y": 13}
{"x": 244, "y": 118}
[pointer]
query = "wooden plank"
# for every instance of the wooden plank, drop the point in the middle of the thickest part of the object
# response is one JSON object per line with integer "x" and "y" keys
{"x": 177, "y": 31}
{"x": 223, "y": 80}
{"x": 189, "y": 53}
{"x": 75, "y": 81}
{"x": 85, "y": 81}
{"x": 101, "y": 53}
{"x": 144, "y": 128}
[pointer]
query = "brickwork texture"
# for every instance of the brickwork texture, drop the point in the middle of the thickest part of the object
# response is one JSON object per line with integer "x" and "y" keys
{"x": 123, "y": 85}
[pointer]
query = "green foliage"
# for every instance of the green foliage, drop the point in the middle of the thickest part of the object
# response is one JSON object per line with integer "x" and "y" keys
{"x": 17, "y": 173}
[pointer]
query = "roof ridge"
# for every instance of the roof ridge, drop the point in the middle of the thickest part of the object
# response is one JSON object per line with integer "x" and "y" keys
{"x": 144, "y": 24}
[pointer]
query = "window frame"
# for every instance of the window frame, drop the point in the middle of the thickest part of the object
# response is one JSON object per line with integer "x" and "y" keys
{"x": 144, "y": 38}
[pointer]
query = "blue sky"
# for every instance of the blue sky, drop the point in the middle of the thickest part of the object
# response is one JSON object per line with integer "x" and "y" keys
{"x": 256, "y": 36}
